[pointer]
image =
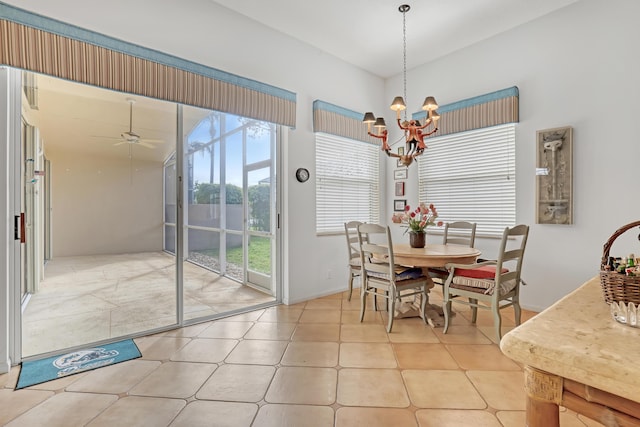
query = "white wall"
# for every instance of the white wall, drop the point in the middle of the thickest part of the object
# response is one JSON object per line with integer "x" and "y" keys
{"x": 105, "y": 205}
{"x": 577, "y": 67}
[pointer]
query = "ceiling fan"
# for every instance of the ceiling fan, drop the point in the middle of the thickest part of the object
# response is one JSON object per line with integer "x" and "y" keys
{"x": 130, "y": 137}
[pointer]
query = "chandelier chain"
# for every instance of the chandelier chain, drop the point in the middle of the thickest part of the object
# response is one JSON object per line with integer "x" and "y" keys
{"x": 404, "y": 55}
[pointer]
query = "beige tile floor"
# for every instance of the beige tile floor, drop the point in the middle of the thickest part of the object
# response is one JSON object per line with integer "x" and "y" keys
{"x": 86, "y": 299}
{"x": 309, "y": 364}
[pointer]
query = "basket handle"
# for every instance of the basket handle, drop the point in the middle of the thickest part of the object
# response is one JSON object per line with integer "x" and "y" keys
{"x": 614, "y": 236}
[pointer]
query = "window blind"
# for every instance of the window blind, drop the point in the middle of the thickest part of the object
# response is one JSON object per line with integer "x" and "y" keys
{"x": 470, "y": 176}
{"x": 347, "y": 182}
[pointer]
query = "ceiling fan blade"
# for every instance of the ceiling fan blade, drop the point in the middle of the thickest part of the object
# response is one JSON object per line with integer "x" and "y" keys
{"x": 120, "y": 143}
{"x": 153, "y": 141}
{"x": 144, "y": 144}
{"x": 105, "y": 137}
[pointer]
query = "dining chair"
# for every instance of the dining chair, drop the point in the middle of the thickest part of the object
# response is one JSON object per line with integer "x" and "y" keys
{"x": 463, "y": 233}
{"x": 353, "y": 251}
{"x": 380, "y": 273}
{"x": 490, "y": 284}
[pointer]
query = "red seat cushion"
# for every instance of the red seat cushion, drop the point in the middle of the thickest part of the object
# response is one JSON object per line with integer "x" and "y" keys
{"x": 484, "y": 272}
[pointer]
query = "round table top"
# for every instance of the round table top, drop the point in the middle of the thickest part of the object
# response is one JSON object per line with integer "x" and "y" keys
{"x": 434, "y": 255}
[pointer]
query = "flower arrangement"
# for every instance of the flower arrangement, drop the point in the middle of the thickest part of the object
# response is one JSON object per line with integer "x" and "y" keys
{"x": 419, "y": 219}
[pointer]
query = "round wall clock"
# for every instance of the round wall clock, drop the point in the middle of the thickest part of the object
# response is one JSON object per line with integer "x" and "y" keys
{"x": 302, "y": 174}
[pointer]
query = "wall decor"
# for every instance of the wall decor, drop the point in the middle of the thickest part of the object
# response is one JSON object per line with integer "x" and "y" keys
{"x": 398, "y": 205}
{"x": 400, "y": 188}
{"x": 400, "y": 174}
{"x": 400, "y": 151}
{"x": 554, "y": 176}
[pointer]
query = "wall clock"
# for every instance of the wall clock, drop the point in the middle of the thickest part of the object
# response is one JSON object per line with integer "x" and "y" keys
{"x": 302, "y": 174}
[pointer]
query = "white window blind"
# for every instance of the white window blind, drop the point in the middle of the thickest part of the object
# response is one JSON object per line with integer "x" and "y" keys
{"x": 470, "y": 176}
{"x": 347, "y": 182}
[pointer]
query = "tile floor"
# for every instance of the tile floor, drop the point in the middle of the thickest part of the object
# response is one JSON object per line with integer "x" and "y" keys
{"x": 309, "y": 364}
{"x": 86, "y": 299}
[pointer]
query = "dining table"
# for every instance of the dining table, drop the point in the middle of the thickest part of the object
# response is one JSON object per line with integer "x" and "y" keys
{"x": 433, "y": 256}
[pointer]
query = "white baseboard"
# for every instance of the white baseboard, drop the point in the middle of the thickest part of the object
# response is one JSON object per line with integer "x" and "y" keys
{"x": 324, "y": 293}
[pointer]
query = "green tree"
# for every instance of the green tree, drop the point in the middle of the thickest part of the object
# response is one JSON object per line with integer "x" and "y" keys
{"x": 207, "y": 193}
{"x": 259, "y": 200}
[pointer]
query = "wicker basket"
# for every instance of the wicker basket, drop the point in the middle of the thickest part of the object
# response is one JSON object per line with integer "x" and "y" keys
{"x": 615, "y": 286}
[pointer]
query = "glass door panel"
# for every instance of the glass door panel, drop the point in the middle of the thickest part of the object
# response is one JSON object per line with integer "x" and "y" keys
{"x": 222, "y": 257}
{"x": 259, "y": 228}
{"x": 108, "y": 275}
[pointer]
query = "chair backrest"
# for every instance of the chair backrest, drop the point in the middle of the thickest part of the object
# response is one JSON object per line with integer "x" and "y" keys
{"x": 464, "y": 233}
{"x": 351, "y": 232}
{"x": 512, "y": 246}
{"x": 376, "y": 257}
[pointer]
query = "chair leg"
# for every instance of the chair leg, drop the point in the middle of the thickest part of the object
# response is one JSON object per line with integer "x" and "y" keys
{"x": 474, "y": 310}
{"x": 350, "y": 286}
{"x": 392, "y": 310}
{"x": 363, "y": 300}
{"x": 497, "y": 321}
{"x": 517, "y": 312}
{"x": 447, "y": 314}
{"x": 423, "y": 303}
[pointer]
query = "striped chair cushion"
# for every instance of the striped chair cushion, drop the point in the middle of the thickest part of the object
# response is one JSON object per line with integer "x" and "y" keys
{"x": 481, "y": 280}
{"x": 402, "y": 273}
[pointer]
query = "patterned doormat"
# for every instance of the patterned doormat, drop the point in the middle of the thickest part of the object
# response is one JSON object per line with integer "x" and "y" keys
{"x": 43, "y": 370}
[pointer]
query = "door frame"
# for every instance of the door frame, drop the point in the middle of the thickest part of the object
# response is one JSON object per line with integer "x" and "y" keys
{"x": 10, "y": 196}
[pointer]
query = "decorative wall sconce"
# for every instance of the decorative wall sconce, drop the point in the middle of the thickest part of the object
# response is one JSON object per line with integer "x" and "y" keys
{"x": 554, "y": 181}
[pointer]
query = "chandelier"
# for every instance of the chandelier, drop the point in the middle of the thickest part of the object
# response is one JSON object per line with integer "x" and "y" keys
{"x": 414, "y": 131}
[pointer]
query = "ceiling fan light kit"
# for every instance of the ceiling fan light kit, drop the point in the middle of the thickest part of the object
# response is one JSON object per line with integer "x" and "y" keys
{"x": 130, "y": 137}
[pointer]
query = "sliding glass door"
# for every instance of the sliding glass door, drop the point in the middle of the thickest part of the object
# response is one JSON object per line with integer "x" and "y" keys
{"x": 113, "y": 187}
{"x": 229, "y": 241}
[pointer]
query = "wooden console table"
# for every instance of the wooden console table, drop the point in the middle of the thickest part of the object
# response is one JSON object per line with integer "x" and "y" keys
{"x": 577, "y": 356}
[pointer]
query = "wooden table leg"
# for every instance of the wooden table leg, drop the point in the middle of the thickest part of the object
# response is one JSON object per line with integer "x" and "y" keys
{"x": 544, "y": 394}
{"x": 432, "y": 312}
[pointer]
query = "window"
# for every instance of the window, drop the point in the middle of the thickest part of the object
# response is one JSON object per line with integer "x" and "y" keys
{"x": 470, "y": 176}
{"x": 347, "y": 182}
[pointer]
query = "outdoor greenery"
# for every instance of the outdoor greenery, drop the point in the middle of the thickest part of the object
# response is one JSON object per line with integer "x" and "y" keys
{"x": 259, "y": 208}
{"x": 259, "y": 254}
{"x": 259, "y": 200}
{"x": 207, "y": 193}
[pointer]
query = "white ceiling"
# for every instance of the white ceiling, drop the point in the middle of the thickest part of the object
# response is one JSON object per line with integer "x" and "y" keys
{"x": 368, "y": 33}
{"x": 88, "y": 119}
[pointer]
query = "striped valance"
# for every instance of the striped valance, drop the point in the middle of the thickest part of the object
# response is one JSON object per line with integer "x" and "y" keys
{"x": 335, "y": 120}
{"x": 491, "y": 109}
{"x": 36, "y": 43}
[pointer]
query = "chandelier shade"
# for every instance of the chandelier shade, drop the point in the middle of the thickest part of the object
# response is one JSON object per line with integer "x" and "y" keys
{"x": 369, "y": 118}
{"x": 398, "y": 104}
{"x": 379, "y": 123}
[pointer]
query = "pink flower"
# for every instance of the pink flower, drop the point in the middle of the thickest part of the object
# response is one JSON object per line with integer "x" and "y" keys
{"x": 419, "y": 219}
